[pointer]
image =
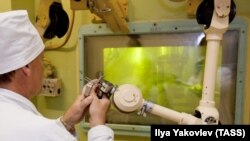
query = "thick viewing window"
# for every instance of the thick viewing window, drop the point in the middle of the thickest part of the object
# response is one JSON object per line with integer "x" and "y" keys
{"x": 166, "y": 61}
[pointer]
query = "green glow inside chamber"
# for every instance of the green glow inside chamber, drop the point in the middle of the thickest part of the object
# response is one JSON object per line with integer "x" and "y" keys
{"x": 167, "y": 75}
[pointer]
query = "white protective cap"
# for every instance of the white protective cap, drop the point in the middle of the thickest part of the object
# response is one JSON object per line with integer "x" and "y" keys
{"x": 20, "y": 42}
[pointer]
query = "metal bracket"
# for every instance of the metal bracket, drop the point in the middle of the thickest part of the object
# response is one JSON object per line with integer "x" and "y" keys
{"x": 93, "y": 9}
{"x": 146, "y": 108}
{"x": 222, "y": 7}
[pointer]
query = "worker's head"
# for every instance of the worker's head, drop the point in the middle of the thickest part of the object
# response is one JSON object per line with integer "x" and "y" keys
{"x": 21, "y": 50}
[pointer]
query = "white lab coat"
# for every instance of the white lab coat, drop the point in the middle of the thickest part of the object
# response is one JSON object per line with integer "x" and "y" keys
{"x": 20, "y": 121}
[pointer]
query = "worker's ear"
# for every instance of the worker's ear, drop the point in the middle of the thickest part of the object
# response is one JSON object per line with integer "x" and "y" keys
{"x": 26, "y": 70}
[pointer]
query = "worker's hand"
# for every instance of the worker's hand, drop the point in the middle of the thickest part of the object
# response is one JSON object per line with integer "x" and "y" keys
{"x": 78, "y": 109}
{"x": 91, "y": 85}
{"x": 98, "y": 110}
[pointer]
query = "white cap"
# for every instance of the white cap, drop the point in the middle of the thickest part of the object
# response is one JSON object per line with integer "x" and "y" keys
{"x": 20, "y": 42}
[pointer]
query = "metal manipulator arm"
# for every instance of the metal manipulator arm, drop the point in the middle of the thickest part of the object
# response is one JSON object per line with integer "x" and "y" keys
{"x": 128, "y": 98}
{"x": 215, "y": 15}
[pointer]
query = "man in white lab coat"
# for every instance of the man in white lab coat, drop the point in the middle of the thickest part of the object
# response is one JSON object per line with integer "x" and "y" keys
{"x": 21, "y": 70}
